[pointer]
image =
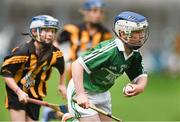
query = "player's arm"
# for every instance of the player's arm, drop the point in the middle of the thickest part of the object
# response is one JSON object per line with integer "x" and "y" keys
{"x": 138, "y": 77}
{"x": 11, "y": 83}
{"x": 7, "y": 71}
{"x": 141, "y": 83}
{"x": 22, "y": 96}
{"x": 60, "y": 65}
{"x": 77, "y": 75}
{"x": 9, "y": 68}
{"x": 62, "y": 84}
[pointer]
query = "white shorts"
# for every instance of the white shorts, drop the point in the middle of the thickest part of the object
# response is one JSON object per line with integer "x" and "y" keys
{"x": 100, "y": 100}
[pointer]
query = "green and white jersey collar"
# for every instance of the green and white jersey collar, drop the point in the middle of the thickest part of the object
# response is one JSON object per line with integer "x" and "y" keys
{"x": 121, "y": 47}
{"x": 119, "y": 44}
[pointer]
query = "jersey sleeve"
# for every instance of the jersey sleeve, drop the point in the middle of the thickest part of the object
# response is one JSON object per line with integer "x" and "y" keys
{"x": 13, "y": 62}
{"x": 58, "y": 60}
{"x": 136, "y": 69}
{"x": 96, "y": 58}
{"x": 60, "y": 64}
{"x": 9, "y": 70}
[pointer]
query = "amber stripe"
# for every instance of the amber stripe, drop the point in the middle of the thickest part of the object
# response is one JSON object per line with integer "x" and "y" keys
{"x": 40, "y": 89}
{"x": 84, "y": 40}
{"x": 33, "y": 92}
{"x": 15, "y": 59}
{"x": 96, "y": 39}
{"x": 6, "y": 102}
{"x": 34, "y": 74}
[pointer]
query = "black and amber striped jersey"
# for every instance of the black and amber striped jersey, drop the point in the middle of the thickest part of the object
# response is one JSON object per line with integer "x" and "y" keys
{"x": 30, "y": 75}
{"x": 81, "y": 40}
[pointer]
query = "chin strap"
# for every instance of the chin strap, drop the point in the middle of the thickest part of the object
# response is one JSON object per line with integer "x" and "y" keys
{"x": 132, "y": 47}
{"x": 38, "y": 35}
{"x": 40, "y": 41}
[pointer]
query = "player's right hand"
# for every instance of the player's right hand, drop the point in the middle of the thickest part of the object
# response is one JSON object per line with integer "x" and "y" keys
{"x": 22, "y": 96}
{"x": 82, "y": 100}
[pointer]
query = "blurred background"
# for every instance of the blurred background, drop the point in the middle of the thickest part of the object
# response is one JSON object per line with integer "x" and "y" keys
{"x": 161, "y": 100}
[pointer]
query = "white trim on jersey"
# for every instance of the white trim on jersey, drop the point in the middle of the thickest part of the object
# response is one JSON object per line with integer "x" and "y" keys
{"x": 80, "y": 60}
{"x": 98, "y": 54}
{"x": 127, "y": 56}
{"x": 99, "y": 50}
{"x": 142, "y": 75}
{"x": 116, "y": 43}
{"x": 119, "y": 44}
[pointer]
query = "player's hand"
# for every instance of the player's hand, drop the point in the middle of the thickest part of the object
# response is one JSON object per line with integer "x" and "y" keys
{"x": 136, "y": 89}
{"x": 62, "y": 90}
{"x": 22, "y": 96}
{"x": 82, "y": 100}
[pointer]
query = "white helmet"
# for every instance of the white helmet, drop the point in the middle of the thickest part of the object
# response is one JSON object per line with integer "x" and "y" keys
{"x": 128, "y": 22}
{"x": 42, "y": 21}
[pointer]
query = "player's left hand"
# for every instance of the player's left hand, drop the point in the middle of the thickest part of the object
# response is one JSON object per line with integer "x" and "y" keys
{"x": 62, "y": 90}
{"x": 136, "y": 89}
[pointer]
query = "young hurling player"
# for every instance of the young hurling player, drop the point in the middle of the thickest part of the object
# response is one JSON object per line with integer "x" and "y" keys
{"x": 95, "y": 72}
{"x": 87, "y": 34}
{"x": 27, "y": 68}
{"x": 81, "y": 37}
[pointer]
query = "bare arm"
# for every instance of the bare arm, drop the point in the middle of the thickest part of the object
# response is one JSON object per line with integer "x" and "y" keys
{"x": 138, "y": 86}
{"x": 77, "y": 75}
{"x": 22, "y": 96}
{"x": 62, "y": 85}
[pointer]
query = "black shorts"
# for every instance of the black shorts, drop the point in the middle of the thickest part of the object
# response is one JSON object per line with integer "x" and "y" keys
{"x": 32, "y": 110}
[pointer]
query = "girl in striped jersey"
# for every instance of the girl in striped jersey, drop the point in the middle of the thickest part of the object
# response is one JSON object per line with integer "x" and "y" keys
{"x": 29, "y": 66}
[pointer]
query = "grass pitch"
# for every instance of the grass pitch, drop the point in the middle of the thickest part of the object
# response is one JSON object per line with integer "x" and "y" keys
{"x": 159, "y": 102}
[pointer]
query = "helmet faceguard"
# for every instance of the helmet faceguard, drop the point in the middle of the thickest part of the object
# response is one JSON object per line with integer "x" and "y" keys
{"x": 129, "y": 23}
{"x": 40, "y": 22}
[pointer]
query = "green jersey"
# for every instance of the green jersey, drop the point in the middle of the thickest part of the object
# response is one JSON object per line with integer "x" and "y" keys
{"x": 106, "y": 62}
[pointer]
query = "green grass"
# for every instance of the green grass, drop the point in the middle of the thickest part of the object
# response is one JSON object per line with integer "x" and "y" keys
{"x": 159, "y": 102}
{"x": 3, "y": 112}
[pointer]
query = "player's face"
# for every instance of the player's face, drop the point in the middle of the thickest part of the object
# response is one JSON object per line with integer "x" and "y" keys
{"x": 95, "y": 15}
{"x": 48, "y": 35}
{"x": 137, "y": 37}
